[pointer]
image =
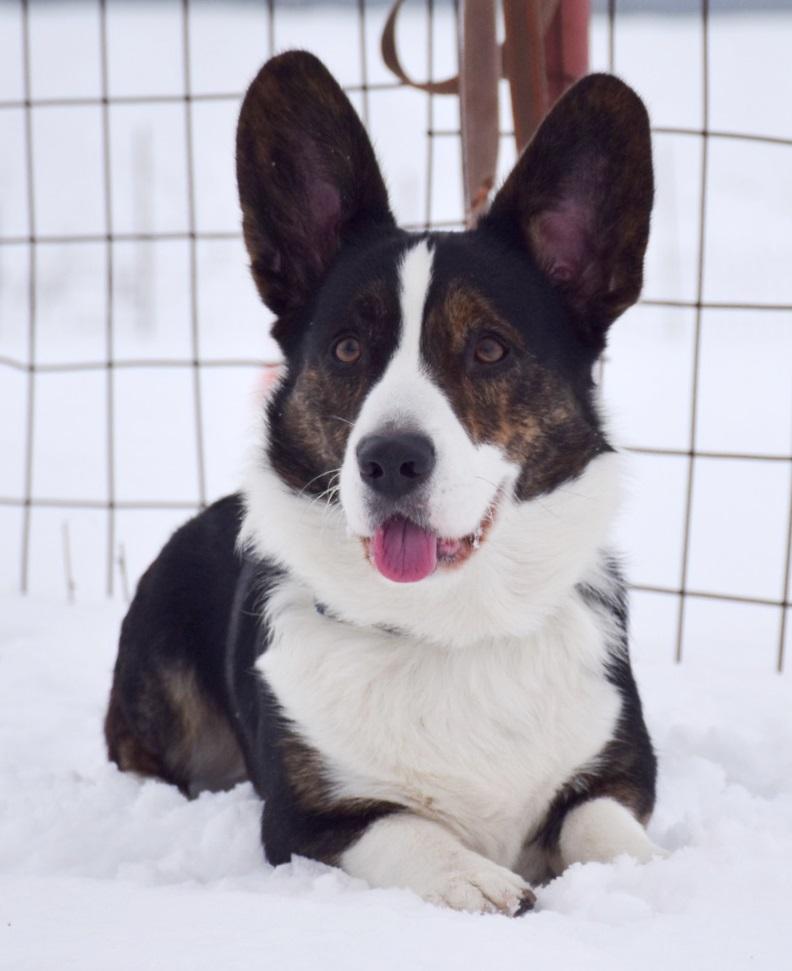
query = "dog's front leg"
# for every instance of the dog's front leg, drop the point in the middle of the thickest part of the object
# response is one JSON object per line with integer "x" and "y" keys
{"x": 404, "y": 850}
{"x": 601, "y": 829}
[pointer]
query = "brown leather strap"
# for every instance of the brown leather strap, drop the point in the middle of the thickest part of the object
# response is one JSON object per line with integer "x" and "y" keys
{"x": 524, "y": 66}
{"x": 545, "y": 49}
{"x": 390, "y": 56}
{"x": 566, "y": 44}
{"x": 477, "y": 87}
{"x": 479, "y": 73}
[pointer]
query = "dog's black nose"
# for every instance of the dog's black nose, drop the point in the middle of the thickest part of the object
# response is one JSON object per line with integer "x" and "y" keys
{"x": 394, "y": 465}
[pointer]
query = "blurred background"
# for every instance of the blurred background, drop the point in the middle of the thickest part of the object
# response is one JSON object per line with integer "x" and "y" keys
{"x": 132, "y": 343}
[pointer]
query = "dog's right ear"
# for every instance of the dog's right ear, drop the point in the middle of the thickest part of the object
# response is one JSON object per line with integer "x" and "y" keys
{"x": 308, "y": 179}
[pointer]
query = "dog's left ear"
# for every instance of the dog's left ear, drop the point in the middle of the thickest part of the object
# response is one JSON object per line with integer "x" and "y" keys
{"x": 580, "y": 198}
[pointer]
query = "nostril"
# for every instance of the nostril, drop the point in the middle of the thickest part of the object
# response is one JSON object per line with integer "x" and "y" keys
{"x": 371, "y": 470}
{"x": 409, "y": 471}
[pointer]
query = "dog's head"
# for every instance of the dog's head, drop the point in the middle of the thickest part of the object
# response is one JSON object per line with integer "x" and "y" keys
{"x": 435, "y": 435}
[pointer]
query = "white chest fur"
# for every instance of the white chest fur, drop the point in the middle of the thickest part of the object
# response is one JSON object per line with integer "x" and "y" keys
{"x": 479, "y": 738}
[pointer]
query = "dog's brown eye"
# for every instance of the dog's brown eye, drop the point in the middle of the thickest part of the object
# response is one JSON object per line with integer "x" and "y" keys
{"x": 489, "y": 350}
{"x": 348, "y": 350}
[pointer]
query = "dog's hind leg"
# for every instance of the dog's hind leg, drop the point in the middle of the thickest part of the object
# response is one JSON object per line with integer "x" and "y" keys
{"x": 128, "y": 748}
{"x": 168, "y": 714}
{"x": 161, "y": 724}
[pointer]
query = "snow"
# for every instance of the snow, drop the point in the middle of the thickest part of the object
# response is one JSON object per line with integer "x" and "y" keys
{"x": 100, "y": 869}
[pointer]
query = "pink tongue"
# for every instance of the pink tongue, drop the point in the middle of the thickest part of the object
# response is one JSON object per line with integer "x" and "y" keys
{"x": 403, "y": 552}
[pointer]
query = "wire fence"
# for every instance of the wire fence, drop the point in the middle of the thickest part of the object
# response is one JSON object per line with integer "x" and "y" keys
{"x": 29, "y": 362}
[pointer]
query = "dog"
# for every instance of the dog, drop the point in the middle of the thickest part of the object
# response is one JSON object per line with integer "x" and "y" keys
{"x": 407, "y": 629}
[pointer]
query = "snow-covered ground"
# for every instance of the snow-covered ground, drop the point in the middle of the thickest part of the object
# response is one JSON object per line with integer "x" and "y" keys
{"x": 100, "y": 870}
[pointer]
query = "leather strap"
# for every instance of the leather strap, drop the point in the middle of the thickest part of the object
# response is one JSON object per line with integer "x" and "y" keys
{"x": 390, "y": 56}
{"x": 545, "y": 49}
{"x": 524, "y": 67}
{"x": 480, "y": 70}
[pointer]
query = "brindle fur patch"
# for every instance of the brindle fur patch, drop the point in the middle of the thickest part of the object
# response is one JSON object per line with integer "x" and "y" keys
{"x": 316, "y": 418}
{"x": 312, "y": 416}
{"x": 520, "y": 405}
{"x": 310, "y": 783}
{"x": 313, "y": 793}
{"x": 125, "y": 748}
{"x": 179, "y": 734}
{"x": 205, "y": 750}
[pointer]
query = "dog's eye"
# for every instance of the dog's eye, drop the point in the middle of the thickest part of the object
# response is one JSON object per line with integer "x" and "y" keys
{"x": 347, "y": 350}
{"x": 489, "y": 350}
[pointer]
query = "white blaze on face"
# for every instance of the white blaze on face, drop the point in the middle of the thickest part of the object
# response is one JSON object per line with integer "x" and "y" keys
{"x": 466, "y": 477}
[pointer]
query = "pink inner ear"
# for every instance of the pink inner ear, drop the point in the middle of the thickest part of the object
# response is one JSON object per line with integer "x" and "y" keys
{"x": 322, "y": 216}
{"x": 324, "y": 205}
{"x": 560, "y": 241}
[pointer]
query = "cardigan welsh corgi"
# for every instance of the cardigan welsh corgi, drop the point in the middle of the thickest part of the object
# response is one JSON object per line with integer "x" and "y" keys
{"x": 407, "y": 629}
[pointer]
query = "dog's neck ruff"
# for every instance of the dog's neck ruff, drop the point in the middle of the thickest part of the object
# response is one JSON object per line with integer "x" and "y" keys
{"x": 535, "y": 555}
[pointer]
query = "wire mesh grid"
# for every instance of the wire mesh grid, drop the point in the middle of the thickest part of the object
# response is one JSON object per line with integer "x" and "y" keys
{"x": 197, "y": 364}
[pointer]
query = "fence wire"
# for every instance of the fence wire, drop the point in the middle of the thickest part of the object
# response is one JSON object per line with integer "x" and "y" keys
{"x": 198, "y": 364}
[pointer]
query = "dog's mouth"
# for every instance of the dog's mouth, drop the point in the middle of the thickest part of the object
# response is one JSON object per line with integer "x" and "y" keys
{"x": 405, "y": 552}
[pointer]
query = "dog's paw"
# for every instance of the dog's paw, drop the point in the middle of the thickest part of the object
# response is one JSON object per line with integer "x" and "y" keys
{"x": 482, "y": 888}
